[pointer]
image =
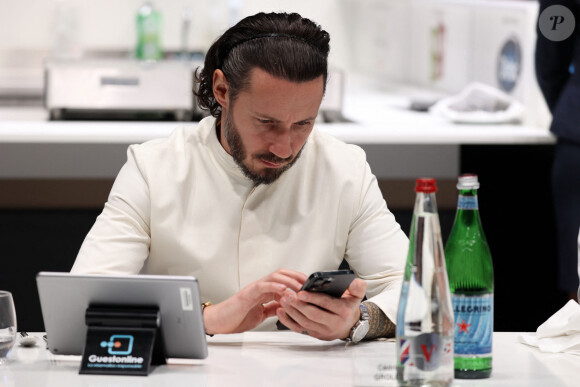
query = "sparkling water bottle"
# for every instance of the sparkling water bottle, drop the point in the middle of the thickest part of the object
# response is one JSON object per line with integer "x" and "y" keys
{"x": 470, "y": 272}
{"x": 425, "y": 318}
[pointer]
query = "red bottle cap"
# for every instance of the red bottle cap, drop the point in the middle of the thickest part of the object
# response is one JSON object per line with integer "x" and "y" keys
{"x": 426, "y": 185}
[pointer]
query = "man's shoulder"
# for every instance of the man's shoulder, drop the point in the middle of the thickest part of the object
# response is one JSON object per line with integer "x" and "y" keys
{"x": 183, "y": 139}
{"x": 326, "y": 145}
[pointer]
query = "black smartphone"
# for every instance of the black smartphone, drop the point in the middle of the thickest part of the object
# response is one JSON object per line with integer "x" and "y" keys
{"x": 334, "y": 283}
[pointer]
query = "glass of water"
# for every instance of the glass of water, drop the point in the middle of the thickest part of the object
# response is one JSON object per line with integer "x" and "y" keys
{"x": 7, "y": 325}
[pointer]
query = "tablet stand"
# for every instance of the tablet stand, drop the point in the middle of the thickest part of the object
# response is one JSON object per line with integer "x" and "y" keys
{"x": 122, "y": 340}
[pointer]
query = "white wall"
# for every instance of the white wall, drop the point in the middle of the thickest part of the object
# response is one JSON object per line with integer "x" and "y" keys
{"x": 33, "y": 25}
{"x": 102, "y": 24}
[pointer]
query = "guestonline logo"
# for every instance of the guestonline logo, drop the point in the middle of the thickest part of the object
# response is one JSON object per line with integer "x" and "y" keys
{"x": 120, "y": 347}
{"x": 556, "y": 23}
{"x": 119, "y": 344}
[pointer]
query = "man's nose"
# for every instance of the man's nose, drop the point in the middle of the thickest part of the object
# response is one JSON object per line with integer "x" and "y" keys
{"x": 281, "y": 145}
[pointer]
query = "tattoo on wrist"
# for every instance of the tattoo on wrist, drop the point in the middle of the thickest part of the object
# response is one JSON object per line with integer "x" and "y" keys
{"x": 379, "y": 323}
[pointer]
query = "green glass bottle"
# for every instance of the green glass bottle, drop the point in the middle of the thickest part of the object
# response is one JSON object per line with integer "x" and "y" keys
{"x": 148, "y": 33}
{"x": 470, "y": 273}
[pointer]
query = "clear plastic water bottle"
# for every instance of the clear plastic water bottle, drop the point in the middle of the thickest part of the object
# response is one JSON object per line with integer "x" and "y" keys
{"x": 425, "y": 316}
{"x": 148, "y": 33}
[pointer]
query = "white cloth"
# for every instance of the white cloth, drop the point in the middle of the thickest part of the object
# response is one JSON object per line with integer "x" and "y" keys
{"x": 479, "y": 103}
{"x": 560, "y": 333}
{"x": 181, "y": 206}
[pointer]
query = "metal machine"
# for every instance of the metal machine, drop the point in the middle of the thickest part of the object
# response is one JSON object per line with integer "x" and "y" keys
{"x": 120, "y": 89}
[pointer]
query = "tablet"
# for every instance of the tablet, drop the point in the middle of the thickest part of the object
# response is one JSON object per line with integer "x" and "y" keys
{"x": 64, "y": 298}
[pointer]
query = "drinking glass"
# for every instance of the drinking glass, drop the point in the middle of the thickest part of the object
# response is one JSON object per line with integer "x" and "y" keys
{"x": 7, "y": 325}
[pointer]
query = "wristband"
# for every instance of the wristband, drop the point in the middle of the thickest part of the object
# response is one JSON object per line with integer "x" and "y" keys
{"x": 203, "y": 306}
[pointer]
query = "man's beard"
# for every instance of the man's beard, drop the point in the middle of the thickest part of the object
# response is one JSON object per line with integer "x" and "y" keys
{"x": 268, "y": 175}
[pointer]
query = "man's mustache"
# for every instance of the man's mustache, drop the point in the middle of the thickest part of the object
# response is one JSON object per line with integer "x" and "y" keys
{"x": 273, "y": 158}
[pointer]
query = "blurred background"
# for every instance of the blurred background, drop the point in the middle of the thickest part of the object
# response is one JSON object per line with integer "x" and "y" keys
{"x": 439, "y": 44}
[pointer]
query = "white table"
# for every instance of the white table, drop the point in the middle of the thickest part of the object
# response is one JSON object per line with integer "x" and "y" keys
{"x": 289, "y": 359}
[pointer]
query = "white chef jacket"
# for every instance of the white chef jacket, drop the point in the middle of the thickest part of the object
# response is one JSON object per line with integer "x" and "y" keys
{"x": 182, "y": 206}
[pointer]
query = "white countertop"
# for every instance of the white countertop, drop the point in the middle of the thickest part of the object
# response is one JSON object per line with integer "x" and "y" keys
{"x": 379, "y": 116}
{"x": 27, "y": 125}
{"x": 290, "y": 359}
{"x": 399, "y": 143}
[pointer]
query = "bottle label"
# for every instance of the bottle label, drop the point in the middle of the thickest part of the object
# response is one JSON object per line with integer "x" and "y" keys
{"x": 425, "y": 352}
{"x": 473, "y": 324}
{"x": 467, "y": 203}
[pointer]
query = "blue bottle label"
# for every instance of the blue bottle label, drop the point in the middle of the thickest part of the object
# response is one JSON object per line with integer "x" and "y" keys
{"x": 473, "y": 324}
{"x": 467, "y": 203}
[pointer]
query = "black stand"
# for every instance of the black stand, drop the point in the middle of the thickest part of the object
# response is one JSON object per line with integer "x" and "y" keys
{"x": 122, "y": 340}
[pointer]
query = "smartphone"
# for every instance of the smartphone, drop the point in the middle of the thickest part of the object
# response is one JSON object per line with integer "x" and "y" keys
{"x": 334, "y": 283}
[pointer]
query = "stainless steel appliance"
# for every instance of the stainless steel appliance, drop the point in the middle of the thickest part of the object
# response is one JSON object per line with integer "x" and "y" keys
{"x": 119, "y": 89}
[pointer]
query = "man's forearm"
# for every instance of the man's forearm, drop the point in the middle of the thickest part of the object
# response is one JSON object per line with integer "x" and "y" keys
{"x": 379, "y": 323}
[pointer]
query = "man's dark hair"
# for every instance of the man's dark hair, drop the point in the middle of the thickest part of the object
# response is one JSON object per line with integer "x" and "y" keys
{"x": 284, "y": 45}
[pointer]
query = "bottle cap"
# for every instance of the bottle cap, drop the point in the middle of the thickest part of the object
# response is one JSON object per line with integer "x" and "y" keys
{"x": 426, "y": 185}
{"x": 467, "y": 181}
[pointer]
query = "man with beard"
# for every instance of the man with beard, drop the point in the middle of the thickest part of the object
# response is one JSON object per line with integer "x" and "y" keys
{"x": 254, "y": 198}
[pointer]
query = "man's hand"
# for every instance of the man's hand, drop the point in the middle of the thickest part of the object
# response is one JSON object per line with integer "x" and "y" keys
{"x": 253, "y": 304}
{"x": 320, "y": 315}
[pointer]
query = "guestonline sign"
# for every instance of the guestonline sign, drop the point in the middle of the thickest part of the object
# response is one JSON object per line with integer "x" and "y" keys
{"x": 119, "y": 347}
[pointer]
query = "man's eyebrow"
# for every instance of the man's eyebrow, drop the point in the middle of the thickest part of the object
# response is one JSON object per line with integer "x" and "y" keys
{"x": 277, "y": 120}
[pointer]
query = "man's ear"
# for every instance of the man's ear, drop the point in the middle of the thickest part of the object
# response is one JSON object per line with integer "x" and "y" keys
{"x": 221, "y": 88}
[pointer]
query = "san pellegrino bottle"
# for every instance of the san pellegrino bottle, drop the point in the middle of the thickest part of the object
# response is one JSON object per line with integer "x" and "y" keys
{"x": 425, "y": 317}
{"x": 148, "y": 33}
{"x": 470, "y": 272}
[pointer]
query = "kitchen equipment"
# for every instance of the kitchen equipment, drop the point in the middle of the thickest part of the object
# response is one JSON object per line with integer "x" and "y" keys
{"x": 120, "y": 89}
